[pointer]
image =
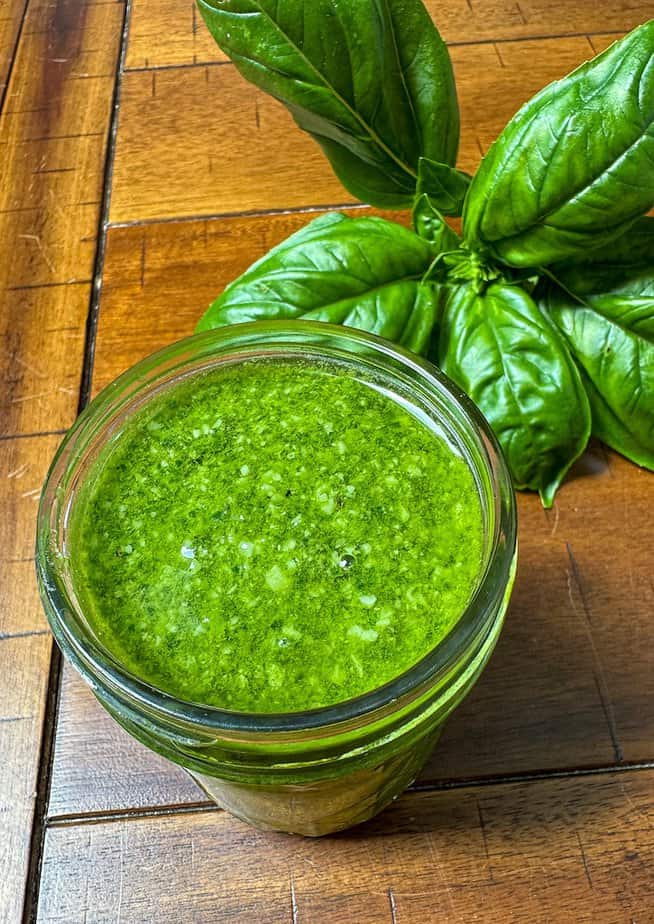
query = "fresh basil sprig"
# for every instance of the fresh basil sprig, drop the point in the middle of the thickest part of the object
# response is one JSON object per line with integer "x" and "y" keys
{"x": 371, "y": 80}
{"x": 543, "y": 309}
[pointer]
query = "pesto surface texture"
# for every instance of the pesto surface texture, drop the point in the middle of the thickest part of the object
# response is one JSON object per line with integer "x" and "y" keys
{"x": 275, "y": 536}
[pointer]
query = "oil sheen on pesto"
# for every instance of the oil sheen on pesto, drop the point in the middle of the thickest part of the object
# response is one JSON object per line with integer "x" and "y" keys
{"x": 275, "y": 536}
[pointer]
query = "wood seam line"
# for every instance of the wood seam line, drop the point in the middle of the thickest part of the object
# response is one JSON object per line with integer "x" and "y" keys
{"x": 10, "y": 69}
{"x": 252, "y": 213}
{"x": 44, "y": 777}
{"x": 464, "y": 43}
{"x": 193, "y": 808}
{"x": 5, "y": 437}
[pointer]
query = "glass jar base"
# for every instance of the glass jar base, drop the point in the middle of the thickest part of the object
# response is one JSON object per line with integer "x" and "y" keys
{"x": 314, "y": 809}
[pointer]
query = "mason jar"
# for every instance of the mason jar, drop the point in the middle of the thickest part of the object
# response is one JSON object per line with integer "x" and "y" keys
{"x": 320, "y": 770}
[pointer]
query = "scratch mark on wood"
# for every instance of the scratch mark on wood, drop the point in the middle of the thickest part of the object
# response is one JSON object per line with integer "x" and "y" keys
{"x": 633, "y": 806}
{"x": 256, "y": 114}
{"x": 54, "y": 170}
{"x": 439, "y": 872}
{"x": 480, "y": 146}
{"x": 556, "y": 510}
{"x": 482, "y": 828}
{"x": 37, "y": 240}
{"x": 584, "y": 860}
{"x": 154, "y": 84}
{"x": 49, "y": 285}
{"x": 143, "y": 249}
{"x": 21, "y": 398}
{"x": 61, "y": 137}
{"x": 9, "y": 636}
{"x": 573, "y": 574}
{"x": 121, "y": 872}
{"x": 590, "y": 42}
{"x": 30, "y": 368}
{"x": 393, "y": 906}
{"x": 469, "y": 5}
{"x": 5, "y": 720}
{"x": 294, "y": 912}
{"x": 522, "y": 16}
{"x": 19, "y": 472}
{"x": 499, "y": 56}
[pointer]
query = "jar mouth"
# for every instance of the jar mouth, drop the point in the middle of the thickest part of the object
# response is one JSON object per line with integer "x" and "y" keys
{"x": 412, "y": 376}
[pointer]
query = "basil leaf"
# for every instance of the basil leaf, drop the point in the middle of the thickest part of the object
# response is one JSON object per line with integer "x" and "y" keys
{"x": 431, "y": 226}
{"x": 509, "y": 358}
{"x": 371, "y": 80}
{"x": 446, "y": 186}
{"x": 574, "y": 167}
{"x": 611, "y": 337}
{"x": 361, "y": 272}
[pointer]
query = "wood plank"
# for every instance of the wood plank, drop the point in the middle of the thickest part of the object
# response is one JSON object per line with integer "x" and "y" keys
{"x": 164, "y": 33}
{"x": 53, "y": 137}
{"x": 53, "y": 140}
{"x": 242, "y": 152}
{"x": 43, "y": 338}
{"x": 11, "y": 17}
{"x": 25, "y": 646}
{"x": 555, "y": 694}
{"x": 98, "y": 767}
{"x": 22, "y": 699}
{"x": 23, "y": 464}
{"x": 547, "y": 852}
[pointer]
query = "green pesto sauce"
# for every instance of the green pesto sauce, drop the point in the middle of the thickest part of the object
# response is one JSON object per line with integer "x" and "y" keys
{"x": 275, "y": 536}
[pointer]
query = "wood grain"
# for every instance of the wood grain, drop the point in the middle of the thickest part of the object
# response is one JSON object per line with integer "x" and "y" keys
{"x": 571, "y": 683}
{"x": 11, "y": 17}
{"x": 555, "y": 695}
{"x": 546, "y": 852}
{"x": 24, "y": 658}
{"x": 22, "y": 699}
{"x": 242, "y": 152}
{"x": 53, "y": 136}
{"x": 53, "y": 139}
{"x": 98, "y": 767}
{"x": 164, "y": 33}
{"x": 23, "y": 464}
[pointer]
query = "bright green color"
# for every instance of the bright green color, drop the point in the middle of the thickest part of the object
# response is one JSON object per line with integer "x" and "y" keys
{"x": 573, "y": 168}
{"x": 541, "y": 310}
{"x": 370, "y": 80}
{"x": 275, "y": 537}
{"x": 605, "y": 309}
{"x": 446, "y": 186}
{"x": 363, "y": 272}
{"x": 514, "y": 365}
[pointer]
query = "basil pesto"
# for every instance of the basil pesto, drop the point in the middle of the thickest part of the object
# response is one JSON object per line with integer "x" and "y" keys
{"x": 275, "y": 536}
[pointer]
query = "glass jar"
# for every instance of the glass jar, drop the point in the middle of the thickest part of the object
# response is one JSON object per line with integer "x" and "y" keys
{"x": 326, "y": 769}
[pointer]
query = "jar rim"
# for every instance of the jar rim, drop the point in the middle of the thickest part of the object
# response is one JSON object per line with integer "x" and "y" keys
{"x": 256, "y": 340}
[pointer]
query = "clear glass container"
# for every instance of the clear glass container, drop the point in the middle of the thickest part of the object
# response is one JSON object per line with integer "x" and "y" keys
{"x": 326, "y": 769}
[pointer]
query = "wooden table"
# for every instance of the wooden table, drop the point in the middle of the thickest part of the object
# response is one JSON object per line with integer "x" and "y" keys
{"x": 139, "y": 175}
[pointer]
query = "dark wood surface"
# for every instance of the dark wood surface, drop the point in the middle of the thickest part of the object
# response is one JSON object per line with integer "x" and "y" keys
{"x": 537, "y": 804}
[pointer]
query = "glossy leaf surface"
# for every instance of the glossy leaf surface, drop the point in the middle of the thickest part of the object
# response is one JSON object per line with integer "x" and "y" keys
{"x": 514, "y": 365}
{"x": 611, "y": 336}
{"x": 371, "y": 80}
{"x": 575, "y": 167}
{"x": 362, "y": 272}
